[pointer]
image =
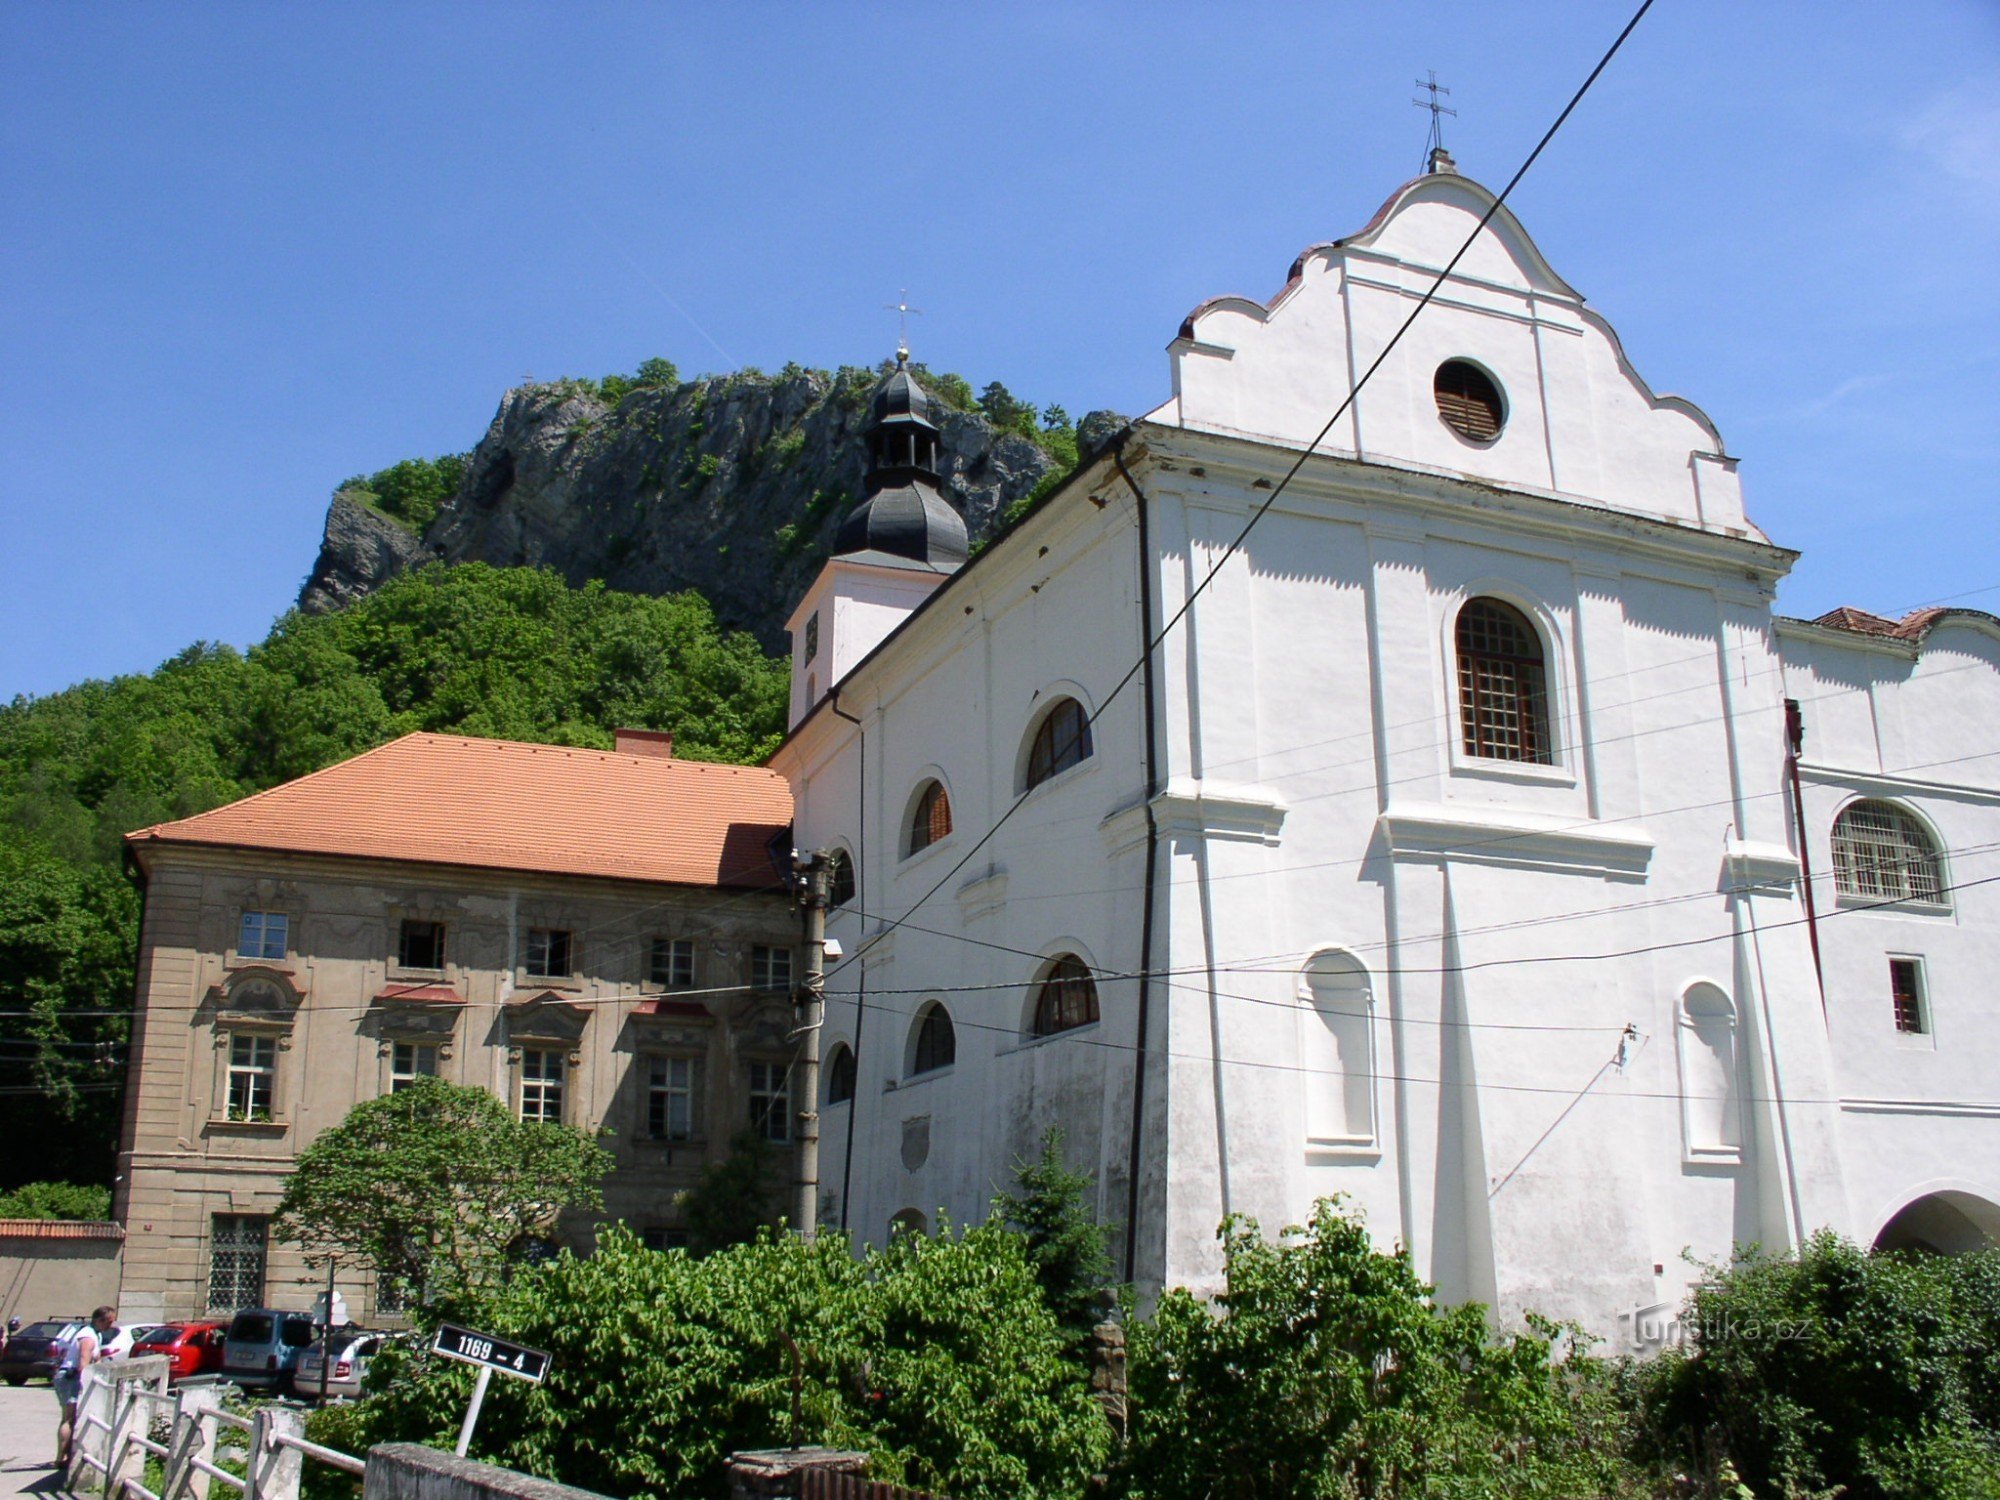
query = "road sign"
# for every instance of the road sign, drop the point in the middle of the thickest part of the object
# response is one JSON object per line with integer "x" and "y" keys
{"x": 476, "y": 1348}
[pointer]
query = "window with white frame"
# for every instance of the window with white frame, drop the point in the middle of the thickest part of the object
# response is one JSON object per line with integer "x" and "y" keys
{"x": 409, "y": 1061}
{"x": 670, "y": 963}
{"x": 549, "y": 953}
{"x": 771, "y": 1101}
{"x": 253, "y": 1075}
{"x": 770, "y": 968}
{"x": 1882, "y": 853}
{"x": 262, "y": 934}
{"x": 420, "y": 944}
{"x": 670, "y": 1098}
{"x": 542, "y": 1084}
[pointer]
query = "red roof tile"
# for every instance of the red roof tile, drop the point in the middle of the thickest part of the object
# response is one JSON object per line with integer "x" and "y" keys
{"x": 60, "y": 1229}
{"x": 1847, "y": 617}
{"x": 498, "y": 804}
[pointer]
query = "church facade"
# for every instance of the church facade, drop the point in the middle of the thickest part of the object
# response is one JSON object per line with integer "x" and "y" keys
{"x": 1473, "y": 841}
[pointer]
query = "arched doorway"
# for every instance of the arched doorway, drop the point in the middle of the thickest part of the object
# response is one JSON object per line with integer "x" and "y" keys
{"x": 1944, "y": 1223}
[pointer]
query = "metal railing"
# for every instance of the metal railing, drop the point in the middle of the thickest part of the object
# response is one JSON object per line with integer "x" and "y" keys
{"x": 124, "y": 1402}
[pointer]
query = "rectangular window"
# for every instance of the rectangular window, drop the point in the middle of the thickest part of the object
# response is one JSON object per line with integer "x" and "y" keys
{"x": 549, "y": 952}
{"x": 771, "y": 1101}
{"x": 262, "y": 935}
{"x": 770, "y": 968}
{"x": 236, "y": 1261}
{"x": 671, "y": 963}
{"x": 670, "y": 1098}
{"x": 253, "y": 1070}
{"x": 542, "y": 1084}
{"x": 420, "y": 945}
{"x": 1906, "y": 990}
{"x": 409, "y": 1061}
{"x": 663, "y": 1237}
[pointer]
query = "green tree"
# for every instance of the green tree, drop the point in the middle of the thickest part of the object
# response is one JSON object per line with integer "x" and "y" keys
{"x": 1325, "y": 1369}
{"x": 412, "y": 491}
{"x": 433, "y": 1185}
{"x": 936, "y": 1356}
{"x": 734, "y": 1197}
{"x": 1051, "y": 1207}
{"x": 56, "y": 1200}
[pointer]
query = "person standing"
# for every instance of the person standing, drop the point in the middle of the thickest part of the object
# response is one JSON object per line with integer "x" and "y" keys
{"x": 78, "y": 1355}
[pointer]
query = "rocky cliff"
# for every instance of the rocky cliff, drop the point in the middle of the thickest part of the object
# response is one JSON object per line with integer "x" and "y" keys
{"x": 733, "y": 485}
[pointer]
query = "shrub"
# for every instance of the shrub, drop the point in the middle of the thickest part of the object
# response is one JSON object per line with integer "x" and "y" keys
{"x": 56, "y": 1200}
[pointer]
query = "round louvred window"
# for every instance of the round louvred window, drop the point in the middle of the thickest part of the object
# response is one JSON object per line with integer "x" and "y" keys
{"x": 1469, "y": 401}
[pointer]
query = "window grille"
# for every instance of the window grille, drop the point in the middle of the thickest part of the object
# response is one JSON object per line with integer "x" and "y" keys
{"x": 409, "y": 1061}
{"x": 262, "y": 935}
{"x": 1906, "y": 992}
{"x": 542, "y": 1084}
{"x": 671, "y": 963}
{"x": 549, "y": 952}
{"x": 1062, "y": 741}
{"x": 1501, "y": 698}
{"x": 253, "y": 1070}
{"x": 1067, "y": 997}
{"x": 937, "y": 1042}
{"x": 771, "y": 1101}
{"x": 931, "y": 819}
{"x": 1881, "y": 853}
{"x": 670, "y": 1098}
{"x": 236, "y": 1261}
{"x": 420, "y": 945}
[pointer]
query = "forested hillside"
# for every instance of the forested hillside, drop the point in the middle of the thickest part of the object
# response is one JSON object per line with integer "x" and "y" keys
{"x": 508, "y": 652}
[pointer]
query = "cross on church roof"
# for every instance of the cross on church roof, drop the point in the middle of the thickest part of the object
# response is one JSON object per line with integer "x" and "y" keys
{"x": 1434, "y": 142}
{"x": 901, "y": 307}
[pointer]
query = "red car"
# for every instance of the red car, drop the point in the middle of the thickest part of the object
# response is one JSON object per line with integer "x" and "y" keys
{"x": 194, "y": 1348}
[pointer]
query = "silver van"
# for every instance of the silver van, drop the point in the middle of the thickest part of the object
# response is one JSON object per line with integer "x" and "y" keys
{"x": 263, "y": 1345}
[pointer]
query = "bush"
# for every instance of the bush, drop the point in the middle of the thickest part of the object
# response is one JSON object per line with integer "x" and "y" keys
{"x": 1837, "y": 1369}
{"x": 56, "y": 1200}
{"x": 935, "y": 1356}
{"x": 412, "y": 491}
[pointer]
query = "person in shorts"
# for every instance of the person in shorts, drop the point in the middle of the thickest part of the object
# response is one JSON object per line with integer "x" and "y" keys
{"x": 78, "y": 1355}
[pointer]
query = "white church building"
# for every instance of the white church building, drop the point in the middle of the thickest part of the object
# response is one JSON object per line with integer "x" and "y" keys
{"x": 1478, "y": 845}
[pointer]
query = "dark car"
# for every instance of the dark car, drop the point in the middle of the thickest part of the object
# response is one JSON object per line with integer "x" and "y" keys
{"x": 32, "y": 1353}
{"x": 192, "y": 1348}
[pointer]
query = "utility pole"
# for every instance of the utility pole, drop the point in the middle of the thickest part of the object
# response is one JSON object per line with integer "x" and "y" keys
{"x": 811, "y": 1002}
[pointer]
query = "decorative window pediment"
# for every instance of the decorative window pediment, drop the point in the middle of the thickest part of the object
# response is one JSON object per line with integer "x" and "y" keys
{"x": 257, "y": 996}
{"x": 548, "y": 1020}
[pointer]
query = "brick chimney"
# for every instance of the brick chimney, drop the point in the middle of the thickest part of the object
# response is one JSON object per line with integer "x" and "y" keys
{"x": 658, "y": 742}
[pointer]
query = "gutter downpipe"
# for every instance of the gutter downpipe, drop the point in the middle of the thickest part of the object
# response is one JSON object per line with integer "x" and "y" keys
{"x": 861, "y": 979}
{"x": 1149, "y": 691}
{"x": 1795, "y": 740}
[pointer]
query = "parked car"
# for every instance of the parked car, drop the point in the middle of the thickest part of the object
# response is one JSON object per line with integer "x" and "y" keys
{"x": 193, "y": 1348}
{"x": 352, "y": 1349}
{"x": 32, "y": 1353}
{"x": 119, "y": 1345}
{"x": 262, "y": 1347}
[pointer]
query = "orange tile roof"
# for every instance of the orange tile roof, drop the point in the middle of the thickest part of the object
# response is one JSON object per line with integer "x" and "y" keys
{"x": 60, "y": 1229}
{"x": 498, "y": 804}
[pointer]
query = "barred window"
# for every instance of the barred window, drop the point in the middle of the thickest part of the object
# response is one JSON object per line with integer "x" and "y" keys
{"x": 1067, "y": 997}
{"x": 236, "y": 1261}
{"x": 542, "y": 1084}
{"x": 1906, "y": 994}
{"x": 1501, "y": 697}
{"x": 409, "y": 1061}
{"x": 262, "y": 935}
{"x": 771, "y": 1101}
{"x": 670, "y": 1101}
{"x": 934, "y": 1044}
{"x": 930, "y": 819}
{"x": 671, "y": 963}
{"x": 1061, "y": 741}
{"x": 1881, "y": 853}
{"x": 253, "y": 1073}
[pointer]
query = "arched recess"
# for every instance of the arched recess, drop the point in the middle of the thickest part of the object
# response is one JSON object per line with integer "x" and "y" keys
{"x": 933, "y": 1043}
{"x": 840, "y": 1074}
{"x": 1337, "y": 1049}
{"x": 1948, "y": 1221}
{"x": 908, "y": 1221}
{"x": 927, "y": 818}
{"x": 1885, "y": 851}
{"x": 840, "y": 878}
{"x": 1711, "y": 1074}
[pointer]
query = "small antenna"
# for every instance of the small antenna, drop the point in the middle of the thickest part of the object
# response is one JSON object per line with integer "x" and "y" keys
{"x": 1434, "y": 142}
{"x": 901, "y": 307}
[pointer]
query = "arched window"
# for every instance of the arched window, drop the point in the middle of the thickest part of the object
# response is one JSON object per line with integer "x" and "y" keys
{"x": 1062, "y": 740}
{"x": 908, "y": 1221}
{"x": 1502, "y": 700}
{"x": 1709, "y": 1091}
{"x": 1066, "y": 998}
{"x": 930, "y": 816}
{"x": 839, "y": 878}
{"x": 840, "y": 1074}
{"x": 1882, "y": 853}
{"x": 1336, "y": 1058}
{"x": 933, "y": 1043}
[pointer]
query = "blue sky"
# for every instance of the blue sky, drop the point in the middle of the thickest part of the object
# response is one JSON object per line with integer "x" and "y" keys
{"x": 248, "y": 250}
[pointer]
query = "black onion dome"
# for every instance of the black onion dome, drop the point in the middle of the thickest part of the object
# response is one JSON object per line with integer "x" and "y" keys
{"x": 904, "y": 516}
